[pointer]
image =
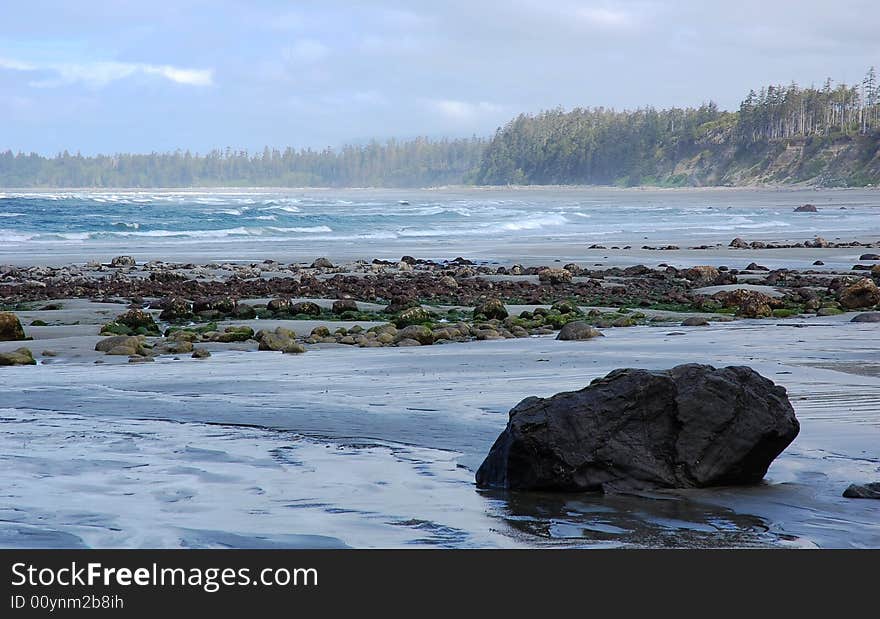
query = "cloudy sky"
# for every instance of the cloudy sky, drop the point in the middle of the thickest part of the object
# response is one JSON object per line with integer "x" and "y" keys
{"x": 125, "y": 75}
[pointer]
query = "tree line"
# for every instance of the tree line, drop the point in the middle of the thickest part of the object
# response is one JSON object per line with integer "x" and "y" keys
{"x": 580, "y": 146}
{"x": 394, "y": 163}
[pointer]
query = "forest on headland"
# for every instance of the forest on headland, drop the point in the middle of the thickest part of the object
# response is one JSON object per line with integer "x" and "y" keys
{"x": 827, "y": 136}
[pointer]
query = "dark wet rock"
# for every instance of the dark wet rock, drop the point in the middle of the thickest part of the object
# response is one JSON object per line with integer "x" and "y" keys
{"x": 863, "y": 491}
{"x": 243, "y": 311}
{"x": 294, "y": 348}
{"x": 491, "y": 308}
{"x": 869, "y": 257}
{"x": 306, "y": 307}
{"x": 175, "y": 308}
{"x": 200, "y": 353}
{"x": 578, "y": 330}
{"x": 738, "y": 243}
{"x": 806, "y": 208}
{"x": 322, "y": 263}
{"x": 818, "y": 263}
{"x": 344, "y": 305}
{"x": 10, "y": 328}
{"x": 863, "y": 293}
{"x": 19, "y": 356}
{"x": 122, "y": 261}
{"x": 695, "y": 321}
{"x": 408, "y": 342}
{"x": 867, "y": 317}
{"x": 756, "y": 267}
{"x": 691, "y": 426}
{"x": 222, "y": 305}
{"x": 400, "y": 303}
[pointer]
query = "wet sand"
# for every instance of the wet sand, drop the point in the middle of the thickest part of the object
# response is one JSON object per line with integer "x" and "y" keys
{"x": 377, "y": 447}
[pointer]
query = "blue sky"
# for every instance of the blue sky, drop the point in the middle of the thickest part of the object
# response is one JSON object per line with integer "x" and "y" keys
{"x": 198, "y": 74}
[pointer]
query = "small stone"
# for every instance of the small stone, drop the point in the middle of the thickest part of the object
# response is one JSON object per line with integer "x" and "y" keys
{"x": 863, "y": 491}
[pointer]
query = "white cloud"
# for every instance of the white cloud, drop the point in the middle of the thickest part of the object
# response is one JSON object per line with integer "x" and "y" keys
{"x": 463, "y": 111}
{"x": 102, "y": 73}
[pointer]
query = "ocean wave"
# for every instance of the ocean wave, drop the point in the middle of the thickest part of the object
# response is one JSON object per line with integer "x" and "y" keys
{"x": 12, "y": 214}
{"x": 535, "y": 223}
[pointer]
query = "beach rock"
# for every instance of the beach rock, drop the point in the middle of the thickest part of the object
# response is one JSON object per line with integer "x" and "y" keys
{"x": 748, "y": 303}
{"x": 294, "y": 349}
{"x": 306, "y": 307}
{"x": 200, "y": 353}
{"x": 320, "y": 331}
{"x": 404, "y": 267}
{"x": 867, "y": 317}
{"x": 566, "y": 307}
{"x": 448, "y": 281}
{"x": 806, "y": 208}
{"x": 175, "y": 308}
{"x": 702, "y": 274}
{"x": 863, "y": 293}
{"x": 322, "y": 263}
{"x": 139, "y": 359}
{"x": 756, "y": 267}
{"x": 412, "y": 316}
{"x": 869, "y": 257}
{"x": 818, "y": 263}
{"x": 578, "y": 330}
{"x": 690, "y": 426}
{"x": 817, "y": 243}
{"x": 344, "y": 305}
{"x": 695, "y": 321}
{"x": 408, "y": 342}
{"x": 19, "y": 356}
{"x": 554, "y": 276}
{"x": 276, "y": 340}
{"x": 134, "y": 321}
{"x": 221, "y": 304}
{"x": 738, "y": 243}
{"x": 279, "y": 306}
{"x": 492, "y": 308}
{"x": 131, "y": 343}
{"x": 863, "y": 491}
{"x": 418, "y": 333}
{"x": 10, "y": 328}
{"x": 122, "y": 261}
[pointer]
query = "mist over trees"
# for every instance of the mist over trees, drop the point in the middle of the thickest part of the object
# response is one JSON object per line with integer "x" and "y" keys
{"x": 394, "y": 163}
{"x": 834, "y": 132}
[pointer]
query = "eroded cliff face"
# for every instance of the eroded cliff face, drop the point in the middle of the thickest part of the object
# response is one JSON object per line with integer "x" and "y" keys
{"x": 829, "y": 162}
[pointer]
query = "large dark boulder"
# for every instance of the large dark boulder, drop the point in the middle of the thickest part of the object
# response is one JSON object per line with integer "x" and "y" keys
{"x": 691, "y": 426}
